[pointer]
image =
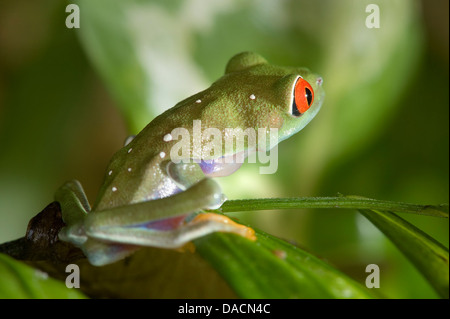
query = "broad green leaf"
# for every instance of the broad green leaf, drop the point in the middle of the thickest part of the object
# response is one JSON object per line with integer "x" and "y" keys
{"x": 18, "y": 280}
{"x": 429, "y": 256}
{"x": 142, "y": 51}
{"x": 272, "y": 268}
{"x": 106, "y": 36}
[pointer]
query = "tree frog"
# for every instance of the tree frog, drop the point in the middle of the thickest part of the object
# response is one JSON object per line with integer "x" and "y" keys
{"x": 147, "y": 199}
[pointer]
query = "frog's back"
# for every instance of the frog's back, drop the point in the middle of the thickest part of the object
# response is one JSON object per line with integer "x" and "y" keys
{"x": 136, "y": 173}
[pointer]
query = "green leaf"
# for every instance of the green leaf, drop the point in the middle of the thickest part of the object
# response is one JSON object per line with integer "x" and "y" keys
{"x": 355, "y": 202}
{"x": 142, "y": 53}
{"x": 110, "y": 44}
{"x": 429, "y": 256}
{"x": 272, "y": 268}
{"x": 18, "y": 280}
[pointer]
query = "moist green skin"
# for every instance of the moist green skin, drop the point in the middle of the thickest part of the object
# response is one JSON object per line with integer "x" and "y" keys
{"x": 147, "y": 199}
{"x": 225, "y": 104}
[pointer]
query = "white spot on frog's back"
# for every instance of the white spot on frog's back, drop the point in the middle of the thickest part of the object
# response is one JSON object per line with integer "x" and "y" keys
{"x": 114, "y": 189}
{"x": 198, "y": 101}
{"x": 110, "y": 172}
{"x": 252, "y": 97}
{"x": 128, "y": 140}
{"x": 129, "y": 151}
{"x": 168, "y": 137}
{"x": 129, "y": 169}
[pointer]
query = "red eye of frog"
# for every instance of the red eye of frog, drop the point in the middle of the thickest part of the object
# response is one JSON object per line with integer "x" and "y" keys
{"x": 303, "y": 97}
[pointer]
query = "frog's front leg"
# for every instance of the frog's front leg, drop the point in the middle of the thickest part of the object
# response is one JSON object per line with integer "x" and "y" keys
{"x": 74, "y": 208}
{"x": 187, "y": 174}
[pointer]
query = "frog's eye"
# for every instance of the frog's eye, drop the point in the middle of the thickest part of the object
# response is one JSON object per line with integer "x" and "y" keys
{"x": 303, "y": 97}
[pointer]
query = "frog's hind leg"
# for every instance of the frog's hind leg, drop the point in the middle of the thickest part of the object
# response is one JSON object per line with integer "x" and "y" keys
{"x": 74, "y": 209}
{"x": 101, "y": 253}
{"x": 202, "y": 225}
{"x": 162, "y": 222}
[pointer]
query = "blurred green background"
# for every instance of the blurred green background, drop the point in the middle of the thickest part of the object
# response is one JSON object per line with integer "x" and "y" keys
{"x": 69, "y": 97}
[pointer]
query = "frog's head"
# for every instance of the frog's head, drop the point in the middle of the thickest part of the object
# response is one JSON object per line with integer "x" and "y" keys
{"x": 285, "y": 98}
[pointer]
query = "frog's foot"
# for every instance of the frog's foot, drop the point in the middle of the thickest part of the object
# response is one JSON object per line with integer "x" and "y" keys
{"x": 211, "y": 222}
{"x": 101, "y": 253}
{"x": 74, "y": 209}
{"x": 218, "y": 222}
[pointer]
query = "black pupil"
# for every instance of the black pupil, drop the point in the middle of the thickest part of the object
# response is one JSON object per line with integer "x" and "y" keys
{"x": 308, "y": 95}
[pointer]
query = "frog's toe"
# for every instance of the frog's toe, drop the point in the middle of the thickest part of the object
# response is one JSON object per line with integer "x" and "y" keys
{"x": 220, "y": 199}
{"x": 101, "y": 253}
{"x": 224, "y": 224}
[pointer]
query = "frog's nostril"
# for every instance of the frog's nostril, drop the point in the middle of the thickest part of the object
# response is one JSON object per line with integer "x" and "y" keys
{"x": 319, "y": 81}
